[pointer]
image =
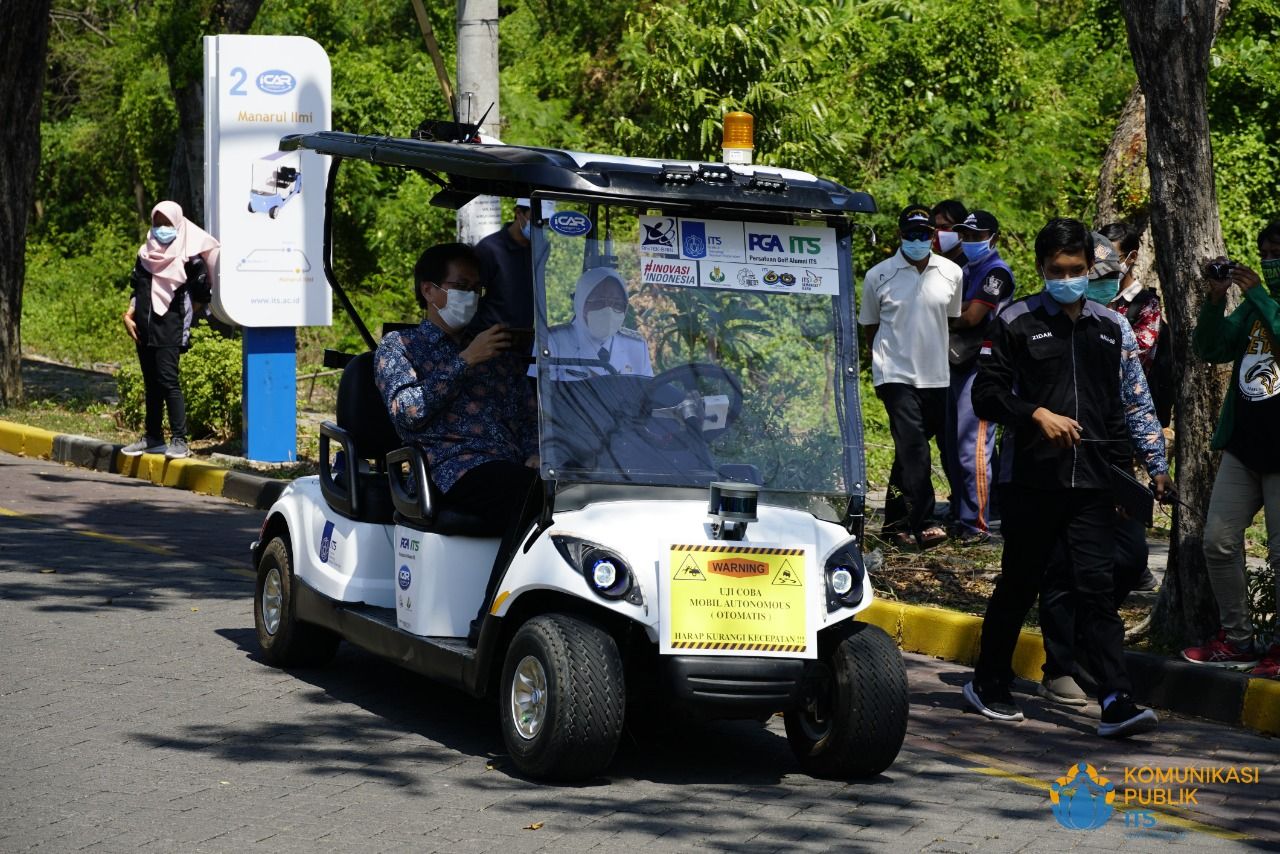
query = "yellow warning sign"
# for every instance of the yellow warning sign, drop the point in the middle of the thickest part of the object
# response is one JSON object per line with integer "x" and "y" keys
{"x": 752, "y": 600}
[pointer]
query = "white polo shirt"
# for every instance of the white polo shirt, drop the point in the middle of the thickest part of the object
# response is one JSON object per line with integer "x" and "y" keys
{"x": 912, "y": 310}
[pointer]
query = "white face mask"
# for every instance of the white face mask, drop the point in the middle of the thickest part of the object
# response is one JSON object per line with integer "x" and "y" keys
{"x": 947, "y": 240}
{"x": 604, "y": 323}
{"x": 459, "y": 308}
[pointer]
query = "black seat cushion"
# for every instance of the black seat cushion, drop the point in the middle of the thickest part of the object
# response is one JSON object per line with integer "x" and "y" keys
{"x": 452, "y": 523}
{"x": 362, "y": 413}
{"x": 373, "y": 497}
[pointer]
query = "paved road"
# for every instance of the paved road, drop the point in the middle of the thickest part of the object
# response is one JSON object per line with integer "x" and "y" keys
{"x": 136, "y": 716}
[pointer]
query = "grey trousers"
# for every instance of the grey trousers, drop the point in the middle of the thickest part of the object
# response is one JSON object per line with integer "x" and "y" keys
{"x": 1238, "y": 494}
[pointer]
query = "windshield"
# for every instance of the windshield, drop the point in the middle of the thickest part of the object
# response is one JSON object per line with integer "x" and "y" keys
{"x": 684, "y": 350}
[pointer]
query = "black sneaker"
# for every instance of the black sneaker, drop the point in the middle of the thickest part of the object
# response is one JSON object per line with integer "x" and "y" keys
{"x": 1124, "y": 717}
{"x": 1147, "y": 582}
{"x": 994, "y": 701}
{"x": 177, "y": 449}
{"x": 145, "y": 445}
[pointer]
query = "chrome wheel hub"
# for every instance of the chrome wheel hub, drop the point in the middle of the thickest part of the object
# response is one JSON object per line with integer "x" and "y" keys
{"x": 529, "y": 697}
{"x": 272, "y": 601}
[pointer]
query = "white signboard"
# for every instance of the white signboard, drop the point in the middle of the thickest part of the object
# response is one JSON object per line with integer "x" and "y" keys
{"x": 770, "y": 278}
{"x": 797, "y": 245}
{"x": 711, "y": 240}
{"x": 266, "y": 206}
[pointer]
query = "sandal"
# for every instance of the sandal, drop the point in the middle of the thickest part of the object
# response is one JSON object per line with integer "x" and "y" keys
{"x": 902, "y": 541}
{"x": 932, "y": 536}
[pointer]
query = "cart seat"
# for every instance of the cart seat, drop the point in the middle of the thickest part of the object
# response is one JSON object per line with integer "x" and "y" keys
{"x": 358, "y": 489}
{"x": 419, "y": 505}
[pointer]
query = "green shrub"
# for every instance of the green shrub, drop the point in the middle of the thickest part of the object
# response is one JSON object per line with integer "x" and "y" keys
{"x": 210, "y": 374}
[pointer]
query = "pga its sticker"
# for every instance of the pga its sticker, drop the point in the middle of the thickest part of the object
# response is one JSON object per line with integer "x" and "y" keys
{"x": 570, "y": 223}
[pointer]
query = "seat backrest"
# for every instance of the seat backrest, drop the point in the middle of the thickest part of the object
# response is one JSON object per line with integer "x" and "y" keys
{"x": 362, "y": 413}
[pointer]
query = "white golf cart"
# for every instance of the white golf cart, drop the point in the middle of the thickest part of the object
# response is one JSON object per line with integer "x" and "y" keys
{"x": 695, "y": 545}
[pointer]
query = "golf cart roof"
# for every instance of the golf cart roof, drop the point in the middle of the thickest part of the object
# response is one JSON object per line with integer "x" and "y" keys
{"x": 467, "y": 170}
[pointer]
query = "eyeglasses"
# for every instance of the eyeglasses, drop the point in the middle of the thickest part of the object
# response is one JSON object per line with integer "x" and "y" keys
{"x": 616, "y": 303}
{"x": 470, "y": 285}
{"x": 917, "y": 234}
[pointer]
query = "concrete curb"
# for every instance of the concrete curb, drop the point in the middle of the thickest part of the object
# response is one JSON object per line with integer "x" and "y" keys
{"x": 1220, "y": 695}
{"x": 189, "y": 474}
{"x": 1216, "y": 694}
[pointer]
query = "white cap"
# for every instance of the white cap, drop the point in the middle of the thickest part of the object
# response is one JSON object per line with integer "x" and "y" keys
{"x": 523, "y": 203}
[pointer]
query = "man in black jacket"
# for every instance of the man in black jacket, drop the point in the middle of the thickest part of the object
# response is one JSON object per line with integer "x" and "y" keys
{"x": 1049, "y": 373}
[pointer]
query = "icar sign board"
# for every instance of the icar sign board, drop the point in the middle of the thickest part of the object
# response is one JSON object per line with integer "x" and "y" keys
{"x": 264, "y": 205}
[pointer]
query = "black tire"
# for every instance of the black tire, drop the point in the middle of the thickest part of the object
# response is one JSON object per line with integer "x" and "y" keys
{"x": 584, "y": 699}
{"x": 250, "y": 207}
{"x": 292, "y": 643}
{"x": 854, "y": 714}
{"x": 274, "y": 212}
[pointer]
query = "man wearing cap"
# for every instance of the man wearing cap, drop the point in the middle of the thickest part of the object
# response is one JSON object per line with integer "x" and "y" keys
{"x": 971, "y": 441}
{"x": 906, "y": 301}
{"x": 506, "y": 268}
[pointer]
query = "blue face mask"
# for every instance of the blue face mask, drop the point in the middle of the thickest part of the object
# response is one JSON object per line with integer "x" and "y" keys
{"x": 977, "y": 249}
{"x": 1067, "y": 291}
{"x": 1103, "y": 290}
{"x": 165, "y": 234}
{"x": 525, "y": 229}
{"x": 917, "y": 250}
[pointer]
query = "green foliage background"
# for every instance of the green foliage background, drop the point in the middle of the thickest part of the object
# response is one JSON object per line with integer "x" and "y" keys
{"x": 1005, "y": 104}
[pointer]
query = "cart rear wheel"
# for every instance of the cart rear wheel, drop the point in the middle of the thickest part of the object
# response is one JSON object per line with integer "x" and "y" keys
{"x": 285, "y": 641}
{"x": 274, "y": 212}
{"x": 562, "y": 698}
{"x": 853, "y": 716}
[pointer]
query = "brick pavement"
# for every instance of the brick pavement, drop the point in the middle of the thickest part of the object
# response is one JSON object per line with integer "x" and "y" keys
{"x": 138, "y": 717}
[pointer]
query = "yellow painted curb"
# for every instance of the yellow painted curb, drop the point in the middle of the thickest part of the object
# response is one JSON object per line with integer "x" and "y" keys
{"x": 949, "y": 635}
{"x": 26, "y": 441}
{"x": 1261, "y": 710}
{"x": 191, "y": 475}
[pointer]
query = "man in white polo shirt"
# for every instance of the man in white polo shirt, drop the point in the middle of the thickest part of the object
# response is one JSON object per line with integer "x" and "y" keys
{"x": 906, "y": 302}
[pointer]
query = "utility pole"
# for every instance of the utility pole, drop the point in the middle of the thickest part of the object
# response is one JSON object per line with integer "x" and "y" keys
{"x": 477, "y": 90}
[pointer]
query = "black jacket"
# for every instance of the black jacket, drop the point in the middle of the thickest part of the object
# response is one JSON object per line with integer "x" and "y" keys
{"x": 173, "y": 328}
{"x": 1036, "y": 356}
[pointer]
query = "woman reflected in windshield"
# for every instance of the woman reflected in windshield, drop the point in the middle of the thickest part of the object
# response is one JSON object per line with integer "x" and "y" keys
{"x": 594, "y": 343}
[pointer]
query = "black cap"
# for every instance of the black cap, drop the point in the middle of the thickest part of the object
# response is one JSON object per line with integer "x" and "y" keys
{"x": 979, "y": 221}
{"x": 915, "y": 216}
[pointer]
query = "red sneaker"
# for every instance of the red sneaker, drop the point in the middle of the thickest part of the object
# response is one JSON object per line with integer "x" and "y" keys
{"x": 1220, "y": 652}
{"x": 1269, "y": 667}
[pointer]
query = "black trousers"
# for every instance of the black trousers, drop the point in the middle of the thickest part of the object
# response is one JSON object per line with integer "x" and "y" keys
{"x": 1057, "y": 598}
{"x": 916, "y": 415}
{"x": 160, "y": 384}
{"x": 1033, "y": 524}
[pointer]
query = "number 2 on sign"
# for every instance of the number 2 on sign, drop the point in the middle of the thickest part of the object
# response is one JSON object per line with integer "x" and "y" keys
{"x": 237, "y": 88}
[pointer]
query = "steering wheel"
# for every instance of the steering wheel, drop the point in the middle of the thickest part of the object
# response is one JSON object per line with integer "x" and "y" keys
{"x": 679, "y": 391}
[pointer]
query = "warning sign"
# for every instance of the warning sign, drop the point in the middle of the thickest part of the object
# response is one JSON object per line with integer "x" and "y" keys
{"x": 750, "y": 600}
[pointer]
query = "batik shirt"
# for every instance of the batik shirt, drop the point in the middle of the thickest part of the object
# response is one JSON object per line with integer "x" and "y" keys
{"x": 461, "y": 416}
{"x": 1139, "y": 411}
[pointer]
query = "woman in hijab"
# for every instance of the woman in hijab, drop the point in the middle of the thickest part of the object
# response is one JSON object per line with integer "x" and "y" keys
{"x": 595, "y": 335}
{"x": 171, "y": 279}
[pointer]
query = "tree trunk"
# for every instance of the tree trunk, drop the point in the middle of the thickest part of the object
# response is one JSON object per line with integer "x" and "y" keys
{"x": 1124, "y": 185}
{"x": 183, "y": 55}
{"x": 24, "y": 37}
{"x": 1170, "y": 42}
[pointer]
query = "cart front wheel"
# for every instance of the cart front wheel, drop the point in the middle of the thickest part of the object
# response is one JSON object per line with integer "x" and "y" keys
{"x": 562, "y": 698}
{"x": 853, "y": 715}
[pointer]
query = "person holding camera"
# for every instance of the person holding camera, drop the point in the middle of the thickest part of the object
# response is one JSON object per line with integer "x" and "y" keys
{"x": 1249, "y": 475}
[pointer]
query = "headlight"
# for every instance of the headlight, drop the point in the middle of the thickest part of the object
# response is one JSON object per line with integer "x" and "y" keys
{"x": 605, "y": 572}
{"x": 845, "y": 575}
